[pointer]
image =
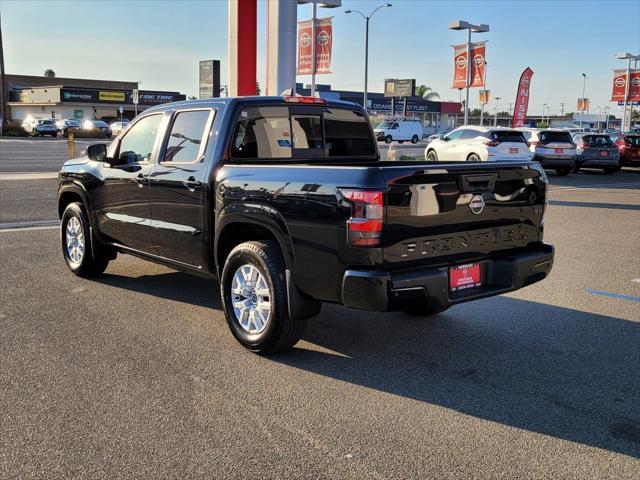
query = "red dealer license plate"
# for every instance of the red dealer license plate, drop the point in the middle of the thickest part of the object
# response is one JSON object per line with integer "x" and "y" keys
{"x": 513, "y": 150}
{"x": 559, "y": 150}
{"x": 463, "y": 277}
{"x": 604, "y": 154}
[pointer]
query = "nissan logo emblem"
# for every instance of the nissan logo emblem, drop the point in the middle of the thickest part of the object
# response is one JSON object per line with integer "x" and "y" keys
{"x": 305, "y": 39}
{"x": 620, "y": 82}
{"x": 323, "y": 38}
{"x": 461, "y": 61}
{"x": 476, "y": 205}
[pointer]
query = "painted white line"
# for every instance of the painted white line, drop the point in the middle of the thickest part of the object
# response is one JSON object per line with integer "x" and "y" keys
{"x": 28, "y": 175}
{"x": 637, "y": 280}
{"x": 33, "y": 225}
{"x": 594, "y": 185}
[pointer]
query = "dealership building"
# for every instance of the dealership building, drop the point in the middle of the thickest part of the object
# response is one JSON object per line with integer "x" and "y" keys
{"x": 41, "y": 97}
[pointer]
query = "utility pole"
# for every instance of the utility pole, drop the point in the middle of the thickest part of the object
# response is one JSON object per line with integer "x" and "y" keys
{"x": 510, "y": 105}
{"x": 562, "y": 109}
{"x": 584, "y": 86}
{"x": 495, "y": 119}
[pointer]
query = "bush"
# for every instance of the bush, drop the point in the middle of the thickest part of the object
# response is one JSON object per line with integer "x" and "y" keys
{"x": 12, "y": 129}
{"x": 88, "y": 134}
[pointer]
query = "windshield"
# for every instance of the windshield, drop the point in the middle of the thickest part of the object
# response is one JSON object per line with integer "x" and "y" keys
{"x": 597, "y": 140}
{"x": 554, "y": 137}
{"x": 508, "y": 136}
{"x": 385, "y": 125}
{"x": 635, "y": 141}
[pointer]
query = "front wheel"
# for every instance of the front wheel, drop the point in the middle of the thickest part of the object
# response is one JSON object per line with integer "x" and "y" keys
{"x": 388, "y": 139}
{"x": 473, "y": 158}
{"x": 432, "y": 156}
{"x": 414, "y": 139}
{"x": 76, "y": 244}
{"x": 254, "y": 298}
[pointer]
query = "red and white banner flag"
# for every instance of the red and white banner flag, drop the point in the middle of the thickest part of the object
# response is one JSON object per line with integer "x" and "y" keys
{"x": 583, "y": 104}
{"x": 478, "y": 52}
{"x": 620, "y": 86}
{"x": 522, "y": 99}
{"x": 324, "y": 40}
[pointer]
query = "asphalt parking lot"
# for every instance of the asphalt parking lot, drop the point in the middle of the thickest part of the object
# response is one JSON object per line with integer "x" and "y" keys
{"x": 136, "y": 375}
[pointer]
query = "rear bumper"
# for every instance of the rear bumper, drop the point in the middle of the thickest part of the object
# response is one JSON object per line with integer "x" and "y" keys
{"x": 598, "y": 162}
{"x": 384, "y": 291}
{"x": 556, "y": 162}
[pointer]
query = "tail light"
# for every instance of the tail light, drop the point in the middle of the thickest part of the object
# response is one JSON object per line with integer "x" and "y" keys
{"x": 364, "y": 228}
{"x": 307, "y": 100}
{"x": 491, "y": 143}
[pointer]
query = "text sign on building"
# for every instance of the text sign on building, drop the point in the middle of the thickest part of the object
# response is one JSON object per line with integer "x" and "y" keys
{"x": 399, "y": 88}
{"x": 209, "y": 79}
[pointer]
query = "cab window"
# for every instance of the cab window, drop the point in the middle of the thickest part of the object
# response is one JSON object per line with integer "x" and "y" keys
{"x": 262, "y": 132}
{"x": 137, "y": 144}
{"x": 187, "y": 137}
{"x": 454, "y": 135}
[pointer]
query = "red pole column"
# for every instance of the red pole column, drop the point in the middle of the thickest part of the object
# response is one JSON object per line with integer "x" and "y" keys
{"x": 242, "y": 47}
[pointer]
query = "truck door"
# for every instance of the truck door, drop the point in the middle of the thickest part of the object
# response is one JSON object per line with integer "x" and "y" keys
{"x": 122, "y": 200}
{"x": 178, "y": 190}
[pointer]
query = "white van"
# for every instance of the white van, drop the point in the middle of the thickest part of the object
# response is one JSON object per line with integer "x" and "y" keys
{"x": 399, "y": 130}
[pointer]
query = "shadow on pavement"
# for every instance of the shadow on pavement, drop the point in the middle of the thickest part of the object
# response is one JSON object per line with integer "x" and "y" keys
{"x": 551, "y": 370}
{"x": 177, "y": 286}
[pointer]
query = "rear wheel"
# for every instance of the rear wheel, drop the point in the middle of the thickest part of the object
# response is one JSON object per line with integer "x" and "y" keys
{"x": 473, "y": 158}
{"x": 254, "y": 298}
{"x": 414, "y": 139}
{"x": 563, "y": 172}
{"x": 388, "y": 139}
{"x": 432, "y": 156}
{"x": 77, "y": 246}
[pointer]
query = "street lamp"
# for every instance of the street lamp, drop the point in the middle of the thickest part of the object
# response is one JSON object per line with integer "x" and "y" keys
{"x": 584, "y": 86}
{"x": 482, "y": 28}
{"x": 628, "y": 57}
{"x": 495, "y": 119}
{"x": 366, "y": 46}
{"x": 544, "y": 105}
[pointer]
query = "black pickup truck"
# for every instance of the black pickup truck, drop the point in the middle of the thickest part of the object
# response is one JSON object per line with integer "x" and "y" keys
{"x": 285, "y": 200}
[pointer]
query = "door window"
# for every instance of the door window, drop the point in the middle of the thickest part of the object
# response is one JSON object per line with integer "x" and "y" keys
{"x": 307, "y": 131}
{"x": 262, "y": 132}
{"x": 187, "y": 137}
{"x": 455, "y": 135}
{"x": 137, "y": 144}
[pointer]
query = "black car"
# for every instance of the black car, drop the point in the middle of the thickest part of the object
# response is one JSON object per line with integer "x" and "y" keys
{"x": 97, "y": 127}
{"x": 287, "y": 203}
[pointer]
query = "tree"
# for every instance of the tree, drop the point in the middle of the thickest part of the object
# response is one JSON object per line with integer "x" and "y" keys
{"x": 475, "y": 112}
{"x": 426, "y": 92}
{"x": 49, "y": 73}
{"x": 257, "y": 88}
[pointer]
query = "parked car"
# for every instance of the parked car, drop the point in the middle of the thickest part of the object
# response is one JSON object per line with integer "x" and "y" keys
{"x": 629, "y": 149}
{"x": 554, "y": 149}
{"x": 67, "y": 125}
{"x": 438, "y": 135}
{"x": 289, "y": 205}
{"x": 596, "y": 150}
{"x": 119, "y": 126}
{"x": 399, "y": 130}
{"x": 479, "y": 144}
{"x": 40, "y": 126}
{"x": 98, "y": 127}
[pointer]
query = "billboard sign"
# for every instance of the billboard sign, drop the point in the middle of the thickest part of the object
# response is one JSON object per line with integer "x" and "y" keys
{"x": 485, "y": 95}
{"x": 399, "y": 88}
{"x": 522, "y": 99}
{"x": 324, "y": 43}
{"x": 209, "y": 79}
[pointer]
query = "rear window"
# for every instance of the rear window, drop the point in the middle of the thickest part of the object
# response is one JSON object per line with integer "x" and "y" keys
{"x": 635, "y": 141}
{"x": 507, "y": 136}
{"x": 270, "y": 132}
{"x": 555, "y": 137}
{"x": 597, "y": 140}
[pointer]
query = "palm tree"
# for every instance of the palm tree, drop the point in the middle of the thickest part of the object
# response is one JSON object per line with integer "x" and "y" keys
{"x": 427, "y": 92}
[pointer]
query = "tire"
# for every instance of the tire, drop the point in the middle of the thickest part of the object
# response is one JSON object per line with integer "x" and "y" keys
{"x": 276, "y": 332}
{"x": 473, "y": 158}
{"x": 424, "y": 310}
{"x": 609, "y": 170}
{"x": 432, "y": 156}
{"x": 388, "y": 139}
{"x": 414, "y": 139}
{"x": 75, "y": 228}
{"x": 563, "y": 172}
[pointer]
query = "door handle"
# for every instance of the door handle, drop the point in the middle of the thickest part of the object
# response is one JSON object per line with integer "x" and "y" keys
{"x": 191, "y": 183}
{"x": 141, "y": 180}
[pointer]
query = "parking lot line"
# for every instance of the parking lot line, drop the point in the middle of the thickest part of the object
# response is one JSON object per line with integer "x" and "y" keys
{"x": 32, "y": 225}
{"x": 619, "y": 296}
{"x": 594, "y": 185}
{"x": 28, "y": 175}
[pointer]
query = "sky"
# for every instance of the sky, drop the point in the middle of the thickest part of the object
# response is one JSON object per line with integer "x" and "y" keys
{"x": 159, "y": 43}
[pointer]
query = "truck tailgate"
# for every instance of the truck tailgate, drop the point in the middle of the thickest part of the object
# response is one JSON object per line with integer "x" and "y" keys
{"x": 445, "y": 213}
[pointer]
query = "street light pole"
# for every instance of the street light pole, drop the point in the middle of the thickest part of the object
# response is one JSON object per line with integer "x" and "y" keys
{"x": 495, "y": 119}
{"x": 584, "y": 86}
{"x": 366, "y": 47}
{"x": 544, "y": 105}
{"x": 463, "y": 25}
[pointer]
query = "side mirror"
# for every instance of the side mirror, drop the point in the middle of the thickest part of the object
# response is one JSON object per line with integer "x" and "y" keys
{"x": 97, "y": 152}
{"x": 446, "y": 139}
